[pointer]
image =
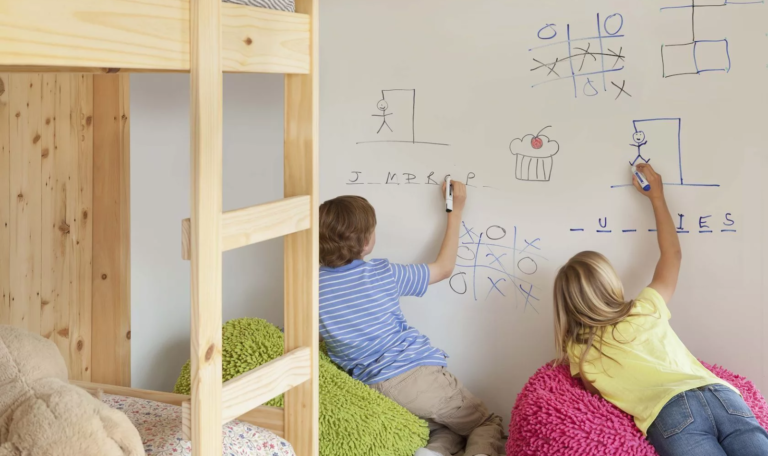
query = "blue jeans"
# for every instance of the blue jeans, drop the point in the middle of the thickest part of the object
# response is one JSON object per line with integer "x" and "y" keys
{"x": 709, "y": 421}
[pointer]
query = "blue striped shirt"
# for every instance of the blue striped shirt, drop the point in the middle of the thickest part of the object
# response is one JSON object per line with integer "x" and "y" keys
{"x": 362, "y": 324}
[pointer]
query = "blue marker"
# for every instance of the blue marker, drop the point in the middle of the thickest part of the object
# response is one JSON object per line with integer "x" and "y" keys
{"x": 641, "y": 179}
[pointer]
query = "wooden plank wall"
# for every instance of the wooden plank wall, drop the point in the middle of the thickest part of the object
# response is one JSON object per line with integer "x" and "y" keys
{"x": 47, "y": 218}
{"x": 111, "y": 231}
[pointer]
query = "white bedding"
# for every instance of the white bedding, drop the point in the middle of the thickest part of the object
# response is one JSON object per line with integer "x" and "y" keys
{"x": 281, "y": 5}
{"x": 160, "y": 428}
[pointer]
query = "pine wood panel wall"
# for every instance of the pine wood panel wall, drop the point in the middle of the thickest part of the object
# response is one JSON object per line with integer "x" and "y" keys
{"x": 50, "y": 275}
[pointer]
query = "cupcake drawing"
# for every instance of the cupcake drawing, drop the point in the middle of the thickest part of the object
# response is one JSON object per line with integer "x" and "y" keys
{"x": 533, "y": 156}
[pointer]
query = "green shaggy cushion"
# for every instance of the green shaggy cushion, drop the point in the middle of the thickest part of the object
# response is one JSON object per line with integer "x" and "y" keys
{"x": 354, "y": 419}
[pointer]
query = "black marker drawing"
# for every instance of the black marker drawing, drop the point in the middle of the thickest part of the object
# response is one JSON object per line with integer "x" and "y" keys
{"x": 533, "y": 156}
{"x": 393, "y": 178}
{"x": 355, "y": 180}
{"x": 397, "y": 109}
{"x": 458, "y": 283}
{"x": 527, "y": 266}
{"x": 495, "y": 232}
{"x": 409, "y": 179}
{"x": 382, "y": 106}
{"x": 621, "y": 89}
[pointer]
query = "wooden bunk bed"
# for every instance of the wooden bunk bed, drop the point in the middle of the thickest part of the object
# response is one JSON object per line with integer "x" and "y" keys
{"x": 69, "y": 59}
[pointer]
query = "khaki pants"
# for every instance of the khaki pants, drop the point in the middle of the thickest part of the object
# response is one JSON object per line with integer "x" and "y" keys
{"x": 454, "y": 415}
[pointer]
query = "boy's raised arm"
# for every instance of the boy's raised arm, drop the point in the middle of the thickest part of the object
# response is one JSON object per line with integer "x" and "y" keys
{"x": 668, "y": 268}
{"x": 443, "y": 266}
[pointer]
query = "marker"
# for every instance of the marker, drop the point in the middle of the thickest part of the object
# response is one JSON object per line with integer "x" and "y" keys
{"x": 641, "y": 179}
{"x": 448, "y": 194}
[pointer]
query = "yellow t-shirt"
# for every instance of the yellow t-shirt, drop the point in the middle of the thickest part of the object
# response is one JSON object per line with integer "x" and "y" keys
{"x": 653, "y": 364}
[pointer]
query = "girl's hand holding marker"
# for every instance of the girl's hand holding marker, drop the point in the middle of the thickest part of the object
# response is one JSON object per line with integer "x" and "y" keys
{"x": 647, "y": 181}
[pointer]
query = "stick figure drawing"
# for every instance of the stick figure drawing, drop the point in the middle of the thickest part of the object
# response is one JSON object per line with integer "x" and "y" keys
{"x": 382, "y": 106}
{"x": 639, "y": 139}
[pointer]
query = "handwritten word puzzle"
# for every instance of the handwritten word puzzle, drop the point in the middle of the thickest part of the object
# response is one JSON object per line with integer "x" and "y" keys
{"x": 494, "y": 263}
{"x": 704, "y": 224}
{"x": 588, "y": 61}
{"x": 697, "y": 56}
{"x": 397, "y": 178}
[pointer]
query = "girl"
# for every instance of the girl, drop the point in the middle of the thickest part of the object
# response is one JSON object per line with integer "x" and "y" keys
{"x": 627, "y": 352}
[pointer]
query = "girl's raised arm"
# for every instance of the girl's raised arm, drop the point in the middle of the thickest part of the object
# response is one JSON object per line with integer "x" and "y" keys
{"x": 668, "y": 268}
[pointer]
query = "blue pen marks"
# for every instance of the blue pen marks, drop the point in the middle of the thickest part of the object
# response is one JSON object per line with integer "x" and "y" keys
{"x": 697, "y": 56}
{"x": 496, "y": 259}
{"x": 494, "y": 286}
{"x": 660, "y": 140}
{"x": 547, "y": 32}
{"x": 530, "y": 244}
{"x": 491, "y": 263}
{"x": 528, "y": 297}
{"x": 586, "y": 56}
{"x": 728, "y": 222}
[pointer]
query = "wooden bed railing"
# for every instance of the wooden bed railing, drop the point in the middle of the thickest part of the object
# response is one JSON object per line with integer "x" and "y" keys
{"x": 271, "y": 418}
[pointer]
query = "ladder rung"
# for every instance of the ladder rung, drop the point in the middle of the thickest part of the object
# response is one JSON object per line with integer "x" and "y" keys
{"x": 254, "y": 224}
{"x": 248, "y": 391}
{"x": 255, "y": 387}
{"x": 272, "y": 418}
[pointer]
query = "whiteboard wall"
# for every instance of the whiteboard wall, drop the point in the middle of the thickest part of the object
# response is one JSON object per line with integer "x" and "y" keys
{"x": 461, "y": 81}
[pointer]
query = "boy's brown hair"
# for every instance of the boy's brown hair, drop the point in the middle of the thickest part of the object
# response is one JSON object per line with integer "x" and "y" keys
{"x": 346, "y": 224}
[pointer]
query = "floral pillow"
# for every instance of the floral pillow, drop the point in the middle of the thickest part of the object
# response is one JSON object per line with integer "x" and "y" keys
{"x": 159, "y": 425}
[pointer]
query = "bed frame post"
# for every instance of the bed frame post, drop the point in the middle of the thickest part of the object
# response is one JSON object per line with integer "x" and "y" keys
{"x": 111, "y": 283}
{"x": 301, "y": 255}
{"x": 205, "y": 227}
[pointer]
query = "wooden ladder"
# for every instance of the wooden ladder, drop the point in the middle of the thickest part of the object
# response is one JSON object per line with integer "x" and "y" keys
{"x": 210, "y": 231}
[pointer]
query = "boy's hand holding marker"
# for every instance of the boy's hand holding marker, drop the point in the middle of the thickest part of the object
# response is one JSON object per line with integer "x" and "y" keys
{"x": 455, "y": 195}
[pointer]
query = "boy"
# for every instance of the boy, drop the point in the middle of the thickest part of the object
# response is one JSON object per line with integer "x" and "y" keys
{"x": 367, "y": 335}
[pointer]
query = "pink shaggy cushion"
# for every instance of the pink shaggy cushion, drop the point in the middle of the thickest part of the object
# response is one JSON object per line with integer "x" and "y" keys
{"x": 555, "y": 415}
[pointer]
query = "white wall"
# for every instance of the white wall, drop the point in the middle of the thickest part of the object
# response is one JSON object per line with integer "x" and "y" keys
{"x": 253, "y": 174}
{"x": 472, "y": 69}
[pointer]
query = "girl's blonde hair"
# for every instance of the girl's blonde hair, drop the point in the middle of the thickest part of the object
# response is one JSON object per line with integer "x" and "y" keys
{"x": 589, "y": 298}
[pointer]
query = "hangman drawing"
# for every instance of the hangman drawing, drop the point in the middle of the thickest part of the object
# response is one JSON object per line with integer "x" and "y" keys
{"x": 395, "y": 121}
{"x": 639, "y": 138}
{"x": 659, "y": 140}
{"x": 698, "y": 56}
{"x": 382, "y": 106}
